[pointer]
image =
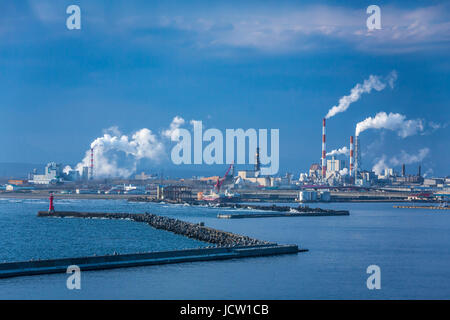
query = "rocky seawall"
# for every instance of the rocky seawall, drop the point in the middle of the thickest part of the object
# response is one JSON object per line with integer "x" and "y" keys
{"x": 191, "y": 230}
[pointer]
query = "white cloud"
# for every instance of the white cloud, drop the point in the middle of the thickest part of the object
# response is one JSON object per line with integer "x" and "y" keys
{"x": 305, "y": 28}
{"x": 173, "y": 132}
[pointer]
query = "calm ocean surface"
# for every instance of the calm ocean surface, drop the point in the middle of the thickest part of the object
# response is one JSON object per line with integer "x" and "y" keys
{"x": 411, "y": 246}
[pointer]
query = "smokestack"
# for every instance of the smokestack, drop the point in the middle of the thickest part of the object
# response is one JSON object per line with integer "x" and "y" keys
{"x": 351, "y": 156}
{"x": 403, "y": 170}
{"x": 419, "y": 171}
{"x": 92, "y": 165}
{"x": 257, "y": 162}
{"x": 324, "y": 153}
{"x": 358, "y": 156}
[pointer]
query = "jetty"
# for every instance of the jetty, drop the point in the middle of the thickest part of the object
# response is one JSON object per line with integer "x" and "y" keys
{"x": 278, "y": 211}
{"x": 277, "y": 215}
{"x": 225, "y": 245}
{"x": 423, "y": 207}
{"x": 282, "y": 211}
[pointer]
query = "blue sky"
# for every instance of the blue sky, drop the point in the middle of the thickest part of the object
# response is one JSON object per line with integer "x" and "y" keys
{"x": 246, "y": 64}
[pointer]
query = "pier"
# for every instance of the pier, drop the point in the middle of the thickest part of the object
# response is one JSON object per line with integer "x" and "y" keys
{"x": 227, "y": 245}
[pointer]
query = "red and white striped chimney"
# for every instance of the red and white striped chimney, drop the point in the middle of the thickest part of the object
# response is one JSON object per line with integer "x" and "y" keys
{"x": 324, "y": 153}
{"x": 351, "y": 155}
{"x": 92, "y": 164}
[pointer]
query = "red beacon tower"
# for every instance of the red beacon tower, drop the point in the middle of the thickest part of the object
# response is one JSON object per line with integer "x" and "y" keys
{"x": 51, "y": 208}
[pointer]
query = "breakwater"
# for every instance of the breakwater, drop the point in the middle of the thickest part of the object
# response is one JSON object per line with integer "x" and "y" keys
{"x": 423, "y": 207}
{"x": 187, "y": 229}
{"x": 276, "y": 214}
{"x": 27, "y": 268}
{"x": 287, "y": 210}
{"x": 227, "y": 246}
{"x": 301, "y": 210}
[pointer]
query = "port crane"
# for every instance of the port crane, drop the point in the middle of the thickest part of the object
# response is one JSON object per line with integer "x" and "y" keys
{"x": 220, "y": 181}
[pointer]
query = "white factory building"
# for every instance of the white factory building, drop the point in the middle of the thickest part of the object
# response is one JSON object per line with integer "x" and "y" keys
{"x": 52, "y": 174}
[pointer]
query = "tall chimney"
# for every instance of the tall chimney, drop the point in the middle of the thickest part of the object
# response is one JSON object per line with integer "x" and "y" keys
{"x": 419, "y": 171}
{"x": 403, "y": 170}
{"x": 357, "y": 156}
{"x": 324, "y": 153}
{"x": 351, "y": 156}
{"x": 92, "y": 165}
{"x": 257, "y": 161}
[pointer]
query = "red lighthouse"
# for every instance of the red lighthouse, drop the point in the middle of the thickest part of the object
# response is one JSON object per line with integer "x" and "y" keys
{"x": 51, "y": 208}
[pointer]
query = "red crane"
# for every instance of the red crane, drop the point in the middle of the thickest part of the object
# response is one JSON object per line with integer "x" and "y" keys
{"x": 220, "y": 181}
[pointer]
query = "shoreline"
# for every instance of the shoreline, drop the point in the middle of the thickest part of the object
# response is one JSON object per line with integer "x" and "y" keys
{"x": 132, "y": 198}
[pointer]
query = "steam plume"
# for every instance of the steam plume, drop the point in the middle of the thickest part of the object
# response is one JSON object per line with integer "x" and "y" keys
{"x": 403, "y": 158}
{"x": 374, "y": 82}
{"x": 392, "y": 121}
{"x": 344, "y": 150}
{"x": 117, "y": 154}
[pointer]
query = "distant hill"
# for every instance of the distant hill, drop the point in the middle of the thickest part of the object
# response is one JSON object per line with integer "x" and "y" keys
{"x": 18, "y": 170}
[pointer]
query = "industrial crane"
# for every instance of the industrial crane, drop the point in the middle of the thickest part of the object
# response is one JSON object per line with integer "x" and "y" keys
{"x": 220, "y": 181}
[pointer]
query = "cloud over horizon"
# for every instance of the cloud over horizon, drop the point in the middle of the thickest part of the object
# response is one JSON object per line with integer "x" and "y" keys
{"x": 268, "y": 28}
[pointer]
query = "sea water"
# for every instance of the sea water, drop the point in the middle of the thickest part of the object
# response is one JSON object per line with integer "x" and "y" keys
{"x": 411, "y": 247}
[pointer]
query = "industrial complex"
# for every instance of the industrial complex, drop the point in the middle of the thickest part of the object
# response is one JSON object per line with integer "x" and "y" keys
{"x": 330, "y": 180}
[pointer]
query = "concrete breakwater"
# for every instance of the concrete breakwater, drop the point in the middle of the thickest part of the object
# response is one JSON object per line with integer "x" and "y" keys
{"x": 191, "y": 230}
{"x": 27, "y": 268}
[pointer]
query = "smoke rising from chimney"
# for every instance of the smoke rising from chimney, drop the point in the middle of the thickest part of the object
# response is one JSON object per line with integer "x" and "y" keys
{"x": 403, "y": 158}
{"x": 117, "y": 154}
{"x": 374, "y": 82}
{"x": 341, "y": 151}
{"x": 392, "y": 121}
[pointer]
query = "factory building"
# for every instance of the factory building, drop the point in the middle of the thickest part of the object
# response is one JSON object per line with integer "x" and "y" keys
{"x": 335, "y": 165}
{"x": 253, "y": 177}
{"x": 52, "y": 174}
{"x": 72, "y": 175}
{"x": 85, "y": 174}
{"x": 314, "y": 170}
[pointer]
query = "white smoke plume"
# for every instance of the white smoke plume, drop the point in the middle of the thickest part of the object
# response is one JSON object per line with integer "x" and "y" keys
{"x": 392, "y": 121}
{"x": 379, "y": 167}
{"x": 344, "y": 150}
{"x": 343, "y": 172}
{"x": 403, "y": 158}
{"x": 117, "y": 154}
{"x": 374, "y": 82}
{"x": 428, "y": 173}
